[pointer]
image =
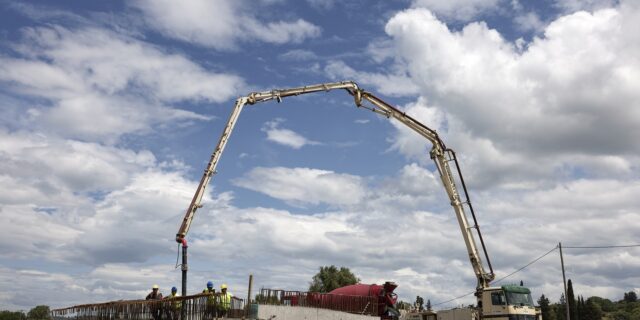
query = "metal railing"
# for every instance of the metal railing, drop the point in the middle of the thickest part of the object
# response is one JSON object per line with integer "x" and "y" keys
{"x": 195, "y": 307}
{"x": 367, "y": 305}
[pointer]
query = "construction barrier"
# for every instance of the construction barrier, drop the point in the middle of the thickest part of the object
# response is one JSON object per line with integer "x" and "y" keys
{"x": 366, "y": 305}
{"x": 195, "y": 307}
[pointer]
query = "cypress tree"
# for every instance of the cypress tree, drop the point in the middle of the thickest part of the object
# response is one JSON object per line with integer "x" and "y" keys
{"x": 581, "y": 310}
{"x": 571, "y": 300}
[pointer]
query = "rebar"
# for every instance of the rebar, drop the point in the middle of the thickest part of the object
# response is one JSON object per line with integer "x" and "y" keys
{"x": 367, "y": 305}
{"x": 196, "y": 307}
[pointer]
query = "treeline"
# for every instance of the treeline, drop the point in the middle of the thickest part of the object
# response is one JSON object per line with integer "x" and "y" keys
{"x": 36, "y": 313}
{"x": 592, "y": 308}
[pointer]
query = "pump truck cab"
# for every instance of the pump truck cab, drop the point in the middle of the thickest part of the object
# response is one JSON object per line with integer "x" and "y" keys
{"x": 507, "y": 302}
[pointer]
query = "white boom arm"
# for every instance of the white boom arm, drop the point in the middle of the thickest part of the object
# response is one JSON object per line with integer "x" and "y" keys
{"x": 439, "y": 153}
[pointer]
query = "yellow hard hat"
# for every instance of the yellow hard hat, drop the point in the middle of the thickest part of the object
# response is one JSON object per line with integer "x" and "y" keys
{"x": 155, "y": 286}
{"x": 223, "y": 286}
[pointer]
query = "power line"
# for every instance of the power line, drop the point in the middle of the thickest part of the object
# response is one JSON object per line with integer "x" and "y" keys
{"x": 528, "y": 264}
{"x": 602, "y": 247}
{"x": 456, "y": 298}
{"x": 540, "y": 257}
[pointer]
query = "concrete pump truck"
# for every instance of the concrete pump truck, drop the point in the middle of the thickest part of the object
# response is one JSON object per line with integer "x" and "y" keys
{"x": 498, "y": 303}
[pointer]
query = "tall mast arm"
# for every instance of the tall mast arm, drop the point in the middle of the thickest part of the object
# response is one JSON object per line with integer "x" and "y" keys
{"x": 441, "y": 155}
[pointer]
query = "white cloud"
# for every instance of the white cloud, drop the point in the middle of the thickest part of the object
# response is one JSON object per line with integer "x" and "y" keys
{"x": 136, "y": 222}
{"x": 460, "y": 10}
{"x": 529, "y": 21}
{"x": 407, "y": 141}
{"x": 395, "y": 84}
{"x": 304, "y": 185}
{"x": 34, "y": 233}
{"x": 298, "y": 55}
{"x": 322, "y": 4}
{"x": 571, "y": 6}
{"x": 285, "y": 137}
{"x": 220, "y": 24}
{"x": 503, "y": 106}
{"x": 106, "y": 283}
{"x": 102, "y": 85}
{"x": 51, "y": 164}
{"x": 109, "y": 63}
{"x": 105, "y": 213}
{"x": 49, "y": 203}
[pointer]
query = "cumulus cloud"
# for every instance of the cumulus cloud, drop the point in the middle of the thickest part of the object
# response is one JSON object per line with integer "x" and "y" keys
{"x": 132, "y": 224}
{"x": 396, "y": 84}
{"x": 50, "y": 201}
{"x": 220, "y": 25}
{"x": 571, "y": 6}
{"x": 105, "y": 283}
{"x": 529, "y": 21}
{"x": 304, "y": 185}
{"x": 509, "y": 112}
{"x": 458, "y": 10}
{"x": 102, "y": 85}
{"x": 54, "y": 164}
{"x": 546, "y": 100}
{"x": 407, "y": 141}
{"x": 285, "y": 137}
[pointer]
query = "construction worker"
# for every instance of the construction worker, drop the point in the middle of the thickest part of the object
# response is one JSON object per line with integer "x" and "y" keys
{"x": 224, "y": 299}
{"x": 172, "y": 309}
{"x": 210, "y": 310}
{"x": 154, "y": 307}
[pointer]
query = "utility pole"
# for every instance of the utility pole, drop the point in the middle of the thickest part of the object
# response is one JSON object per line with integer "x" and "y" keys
{"x": 564, "y": 281}
{"x": 248, "y": 306}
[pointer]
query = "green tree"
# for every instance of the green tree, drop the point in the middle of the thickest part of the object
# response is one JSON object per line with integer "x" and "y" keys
{"x": 605, "y": 304}
{"x": 12, "y": 315}
{"x": 580, "y": 306}
{"x": 39, "y": 313}
{"x": 571, "y": 300}
{"x": 630, "y": 296}
{"x": 635, "y": 313}
{"x": 419, "y": 303}
{"x": 545, "y": 308}
{"x": 592, "y": 310}
{"x": 620, "y": 315}
{"x": 330, "y": 277}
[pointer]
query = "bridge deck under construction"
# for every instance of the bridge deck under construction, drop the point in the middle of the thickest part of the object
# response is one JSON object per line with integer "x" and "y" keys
{"x": 205, "y": 306}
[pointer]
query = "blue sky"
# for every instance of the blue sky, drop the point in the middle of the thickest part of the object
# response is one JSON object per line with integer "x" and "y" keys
{"x": 110, "y": 111}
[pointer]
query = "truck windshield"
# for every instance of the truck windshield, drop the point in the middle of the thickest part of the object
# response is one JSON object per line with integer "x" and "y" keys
{"x": 519, "y": 299}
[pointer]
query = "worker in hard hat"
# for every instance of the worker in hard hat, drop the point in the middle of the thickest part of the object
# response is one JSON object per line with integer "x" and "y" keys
{"x": 172, "y": 309}
{"x": 154, "y": 307}
{"x": 224, "y": 299}
{"x": 211, "y": 309}
{"x": 209, "y": 288}
{"x": 155, "y": 293}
